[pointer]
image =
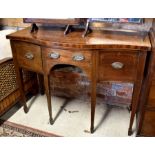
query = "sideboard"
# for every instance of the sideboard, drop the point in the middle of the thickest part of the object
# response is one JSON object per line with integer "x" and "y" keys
{"x": 102, "y": 55}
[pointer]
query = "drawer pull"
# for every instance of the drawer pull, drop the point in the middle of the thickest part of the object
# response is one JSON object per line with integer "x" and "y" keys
{"x": 78, "y": 57}
{"x": 29, "y": 56}
{"x": 117, "y": 65}
{"x": 54, "y": 55}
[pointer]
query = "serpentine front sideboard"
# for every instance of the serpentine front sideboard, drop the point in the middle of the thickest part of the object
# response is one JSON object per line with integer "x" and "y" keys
{"x": 103, "y": 56}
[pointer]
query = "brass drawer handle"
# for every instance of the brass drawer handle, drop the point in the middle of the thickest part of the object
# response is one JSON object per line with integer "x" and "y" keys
{"x": 29, "y": 56}
{"x": 54, "y": 55}
{"x": 117, "y": 65}
{"x": 78, "y": 57}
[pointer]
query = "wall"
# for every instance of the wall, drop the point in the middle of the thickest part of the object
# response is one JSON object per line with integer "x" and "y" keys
{"x": 12, "y": 22}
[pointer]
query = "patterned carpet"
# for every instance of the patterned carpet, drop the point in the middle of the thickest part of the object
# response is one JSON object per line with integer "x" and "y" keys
{"x": 9, "y": 129}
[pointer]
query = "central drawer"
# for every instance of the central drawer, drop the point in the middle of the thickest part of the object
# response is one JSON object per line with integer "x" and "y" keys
{"x": 117, "y": 65}
{"x": 28, "y": 56}
{"x": 77, "y": 58}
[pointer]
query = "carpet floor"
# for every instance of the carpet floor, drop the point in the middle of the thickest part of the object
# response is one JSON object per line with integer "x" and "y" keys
{"x": 9, "y": 129}
{"x": 72, "y": 118}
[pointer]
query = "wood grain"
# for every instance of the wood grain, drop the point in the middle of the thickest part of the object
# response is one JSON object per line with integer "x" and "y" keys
{"x": 127, "y": 72}
{"x": 99, "y": 48}
{"x": 54, "y": 37}
{"x": 22, "y": 49}
{"x": 66, "y": 57}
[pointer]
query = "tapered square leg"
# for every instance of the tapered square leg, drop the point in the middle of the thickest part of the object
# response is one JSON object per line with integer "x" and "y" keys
{"x": 21, "y": 88}
{"x": 92, "y": 129}
{"x": 48, "y": 94}
{"x": 26, "y": 109}
{"x": 129, "y": 132}
{"x": 51, "y": 121}
{"x": 135, "y": 99}
{"x": 93, "y": 92}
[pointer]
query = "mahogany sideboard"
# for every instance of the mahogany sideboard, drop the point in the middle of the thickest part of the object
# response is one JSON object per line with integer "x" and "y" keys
{"x": 103, "y": 56}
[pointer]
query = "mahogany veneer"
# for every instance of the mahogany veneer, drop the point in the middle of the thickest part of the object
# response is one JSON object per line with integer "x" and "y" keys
{"x": 102, "y": 55}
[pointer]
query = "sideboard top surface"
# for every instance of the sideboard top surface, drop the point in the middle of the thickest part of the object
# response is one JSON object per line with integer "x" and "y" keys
{"x": 54, "y": 37}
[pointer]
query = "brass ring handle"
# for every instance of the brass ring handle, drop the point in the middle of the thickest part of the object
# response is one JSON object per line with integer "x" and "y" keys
{"x": 78, "y": 57}
{"x": 117, "y": 65}
{"x": 54, "y": 55}
{"x": 29, "y": 56}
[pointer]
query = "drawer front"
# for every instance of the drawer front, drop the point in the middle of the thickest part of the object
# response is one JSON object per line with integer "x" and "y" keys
{"x": 81, "y": 59}
{"x": 118, "y": 65}
{"x": 148, "y": 126}
{"x": 29, "y": 56}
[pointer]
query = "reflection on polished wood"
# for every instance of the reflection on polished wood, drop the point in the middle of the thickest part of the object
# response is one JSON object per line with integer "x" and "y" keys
{"x": 96, "y": 40}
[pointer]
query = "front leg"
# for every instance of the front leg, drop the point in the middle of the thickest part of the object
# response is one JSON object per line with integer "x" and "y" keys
{"x": 48, "y": 95}
{"x": 93, "y": 105}
{"x": 21, "y": 88}
{"x": 135, "y": 99}
{"x": 93, "y": 89}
